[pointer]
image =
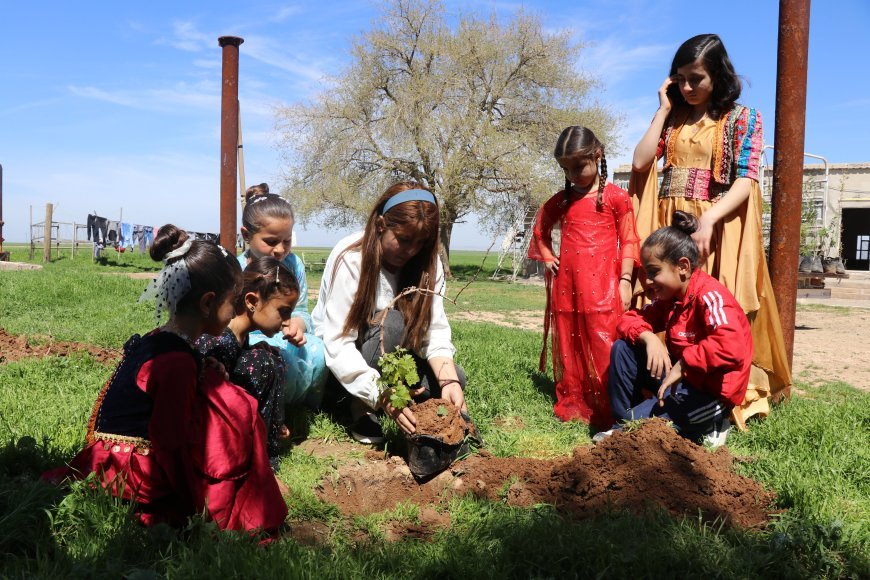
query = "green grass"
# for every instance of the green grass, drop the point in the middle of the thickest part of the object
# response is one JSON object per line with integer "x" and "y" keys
{"x": 814, "y": 452}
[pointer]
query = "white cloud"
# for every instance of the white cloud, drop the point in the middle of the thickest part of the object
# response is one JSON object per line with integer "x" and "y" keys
{"x": 265, "y": 50}
{"x": 203, "y": 95}
{"x": 284, "y": 13}
{"x": 614, "y": 59}
{"x": 187, "y": 37}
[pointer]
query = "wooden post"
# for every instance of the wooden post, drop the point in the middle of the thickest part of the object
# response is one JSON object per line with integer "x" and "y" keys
{"x": 46, "y": 233}
{"x": 75, "y": 240}
{"x": 31, "y": 233}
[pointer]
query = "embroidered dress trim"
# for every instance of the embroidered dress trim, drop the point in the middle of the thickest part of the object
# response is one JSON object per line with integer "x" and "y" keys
{"x": 690, "y": 183}
{"x": 139, "y": 444}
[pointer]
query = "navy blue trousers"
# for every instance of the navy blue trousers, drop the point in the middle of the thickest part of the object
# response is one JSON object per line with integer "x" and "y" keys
{"x": 693, "y": 412}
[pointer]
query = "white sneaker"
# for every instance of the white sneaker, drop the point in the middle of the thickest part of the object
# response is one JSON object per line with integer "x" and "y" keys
{"x": 602, "y": 435}
{"x": 717, "y": 437}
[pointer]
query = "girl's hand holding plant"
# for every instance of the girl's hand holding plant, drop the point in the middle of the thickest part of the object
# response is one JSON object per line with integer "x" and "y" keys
{"x": 294, "y": 331}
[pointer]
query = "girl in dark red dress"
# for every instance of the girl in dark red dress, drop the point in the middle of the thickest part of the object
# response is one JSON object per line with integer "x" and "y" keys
{"x": 589, "y": 282}
{"x": 176, "y": 437}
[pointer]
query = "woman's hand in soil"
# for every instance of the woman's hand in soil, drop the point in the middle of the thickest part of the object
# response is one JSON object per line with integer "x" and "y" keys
{"x": 453, "y": 393}
{"x": 658, "y": 359}
{"x": 404, "y": 418}
{"x": 672, "y": 380}
{"x": 552, "y": 267}
{"x": 294, "y": 331}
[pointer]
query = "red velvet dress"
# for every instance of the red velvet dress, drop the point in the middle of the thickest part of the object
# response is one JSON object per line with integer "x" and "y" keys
{"x": 583, "y": 300}
{"x": 179, "y": 444}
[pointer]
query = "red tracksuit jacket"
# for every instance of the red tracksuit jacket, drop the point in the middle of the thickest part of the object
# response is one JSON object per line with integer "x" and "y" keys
{"x": 707, "y": 330}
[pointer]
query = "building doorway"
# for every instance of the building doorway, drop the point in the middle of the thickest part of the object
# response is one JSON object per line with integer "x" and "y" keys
{"x": 856, "y": 238}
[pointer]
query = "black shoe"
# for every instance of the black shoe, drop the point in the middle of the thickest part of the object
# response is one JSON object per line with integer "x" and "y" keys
{"x": 367, "y": 429}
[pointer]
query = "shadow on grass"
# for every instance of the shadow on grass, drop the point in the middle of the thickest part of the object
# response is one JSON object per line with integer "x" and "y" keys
{"x": 542, "y": 382}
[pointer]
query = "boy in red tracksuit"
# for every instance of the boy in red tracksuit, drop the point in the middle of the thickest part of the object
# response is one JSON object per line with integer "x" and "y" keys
{"x": 707, "y": 353}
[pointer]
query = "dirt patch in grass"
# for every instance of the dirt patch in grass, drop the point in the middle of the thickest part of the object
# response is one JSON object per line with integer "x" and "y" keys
{"x": 651, "y": 466}
{"x": 14, "y": 347}
{"x": 523, "y": 319}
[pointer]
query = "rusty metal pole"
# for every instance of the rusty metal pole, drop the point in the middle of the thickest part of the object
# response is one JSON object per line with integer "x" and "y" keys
{"x": 229, "y": 138}
{"x": 788, "y": 160}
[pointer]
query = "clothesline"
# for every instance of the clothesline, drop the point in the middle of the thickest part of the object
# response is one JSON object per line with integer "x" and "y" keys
{"x": 125, "y": 235}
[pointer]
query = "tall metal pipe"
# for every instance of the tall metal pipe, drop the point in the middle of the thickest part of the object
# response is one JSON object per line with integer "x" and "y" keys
{"x": 229, "y": 138}
{"x": 788, "y": 160}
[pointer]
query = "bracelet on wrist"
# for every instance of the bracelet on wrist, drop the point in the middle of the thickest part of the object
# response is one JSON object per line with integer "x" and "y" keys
{"x": 445, "y": 382}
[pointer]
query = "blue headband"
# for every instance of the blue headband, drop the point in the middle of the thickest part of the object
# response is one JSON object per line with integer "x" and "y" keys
{"x": 408, "y": 195}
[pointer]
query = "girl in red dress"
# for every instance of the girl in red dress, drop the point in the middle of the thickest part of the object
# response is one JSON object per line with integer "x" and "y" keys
{"x": 175, "y": 437}
{"x": 589, "y": 282}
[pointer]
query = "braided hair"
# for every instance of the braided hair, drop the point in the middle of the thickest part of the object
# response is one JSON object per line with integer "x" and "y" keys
{"x": 580, "y": 141}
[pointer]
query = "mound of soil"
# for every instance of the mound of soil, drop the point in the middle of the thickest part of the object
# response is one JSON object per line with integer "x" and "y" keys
{"x": 14, "y": 347}
{"x": 439, "y": 417}
{"x": 646, "y": 467}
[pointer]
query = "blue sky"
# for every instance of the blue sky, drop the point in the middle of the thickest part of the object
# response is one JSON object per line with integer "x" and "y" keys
{"x": 116, "y": 105}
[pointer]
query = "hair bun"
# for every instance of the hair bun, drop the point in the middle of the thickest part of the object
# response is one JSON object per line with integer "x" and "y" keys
{"x": 685, "y": 222}
{"x": 168, "y": 238}
{"x": 255, "y": 191}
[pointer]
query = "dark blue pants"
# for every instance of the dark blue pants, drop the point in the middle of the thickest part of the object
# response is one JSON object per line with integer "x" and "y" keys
{"x": 693, "y": 412}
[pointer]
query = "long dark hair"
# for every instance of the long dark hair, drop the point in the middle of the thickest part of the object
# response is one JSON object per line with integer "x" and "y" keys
{"x": 709, "y": 49}
{"x": 211, "y": 268}
{"x": 673, "y": 242}
{"x": 415, "y": 219}
{"x": 577, "y": 141}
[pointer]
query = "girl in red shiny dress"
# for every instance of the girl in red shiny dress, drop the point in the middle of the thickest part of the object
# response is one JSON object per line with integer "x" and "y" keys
{"x": 170, "y": 434}
{"x": 589, "y": 281}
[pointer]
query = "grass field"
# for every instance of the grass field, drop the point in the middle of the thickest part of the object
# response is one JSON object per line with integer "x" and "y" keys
{"x": 814, "y": 452}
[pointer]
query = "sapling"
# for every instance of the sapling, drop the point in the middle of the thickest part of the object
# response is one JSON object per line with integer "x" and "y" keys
{"x": 398, "y": 373}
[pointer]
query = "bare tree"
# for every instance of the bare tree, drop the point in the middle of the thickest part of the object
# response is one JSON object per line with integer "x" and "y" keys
{"x": 472, "y": 111}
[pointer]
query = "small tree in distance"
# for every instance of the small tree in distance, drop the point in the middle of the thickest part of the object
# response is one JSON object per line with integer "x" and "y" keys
{"x": 471, "y": 111}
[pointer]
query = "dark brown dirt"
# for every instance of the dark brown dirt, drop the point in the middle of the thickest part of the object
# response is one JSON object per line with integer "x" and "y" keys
{"x": 14, "y": 347}
{"x": 652, "y": 466}
{"x": 439, "y": 418}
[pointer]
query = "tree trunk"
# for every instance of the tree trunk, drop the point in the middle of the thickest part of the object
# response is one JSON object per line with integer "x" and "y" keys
{"x": 448, "y": 218}
{"x": 444, "y": 250}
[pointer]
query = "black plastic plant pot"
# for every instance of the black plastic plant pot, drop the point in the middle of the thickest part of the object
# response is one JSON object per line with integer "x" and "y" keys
{"x": 429, "y": 456}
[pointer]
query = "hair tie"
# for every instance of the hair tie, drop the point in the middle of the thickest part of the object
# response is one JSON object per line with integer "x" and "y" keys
{"x": 264, "y": 196}
{"x": 179, "y": 251}
{"x": 409, "y": 195}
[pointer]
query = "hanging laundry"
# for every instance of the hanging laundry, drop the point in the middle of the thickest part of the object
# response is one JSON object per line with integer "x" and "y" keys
{"x": 147, "y": 237}
{"x": 126, "y": 238}
{"x": 138, "y": 238}
{"x": 113, "y": 233}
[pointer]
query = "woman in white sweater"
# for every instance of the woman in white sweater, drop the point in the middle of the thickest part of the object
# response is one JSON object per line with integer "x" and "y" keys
{"x": 364, "y": 273}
